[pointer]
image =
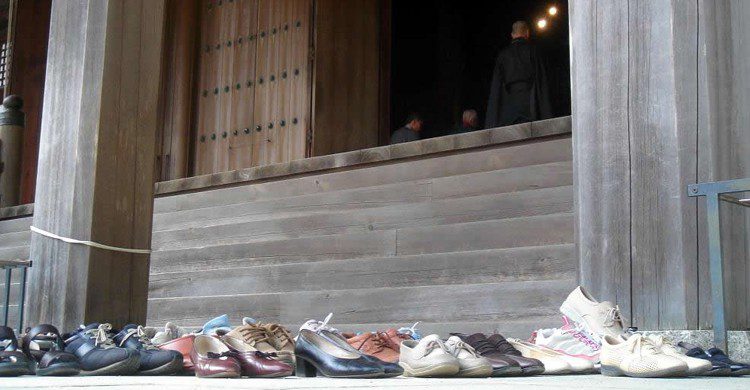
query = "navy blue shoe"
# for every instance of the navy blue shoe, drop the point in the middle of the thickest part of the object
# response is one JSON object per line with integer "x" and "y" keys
{"x": 737, "y": 368}
{"x": 98, "y": 354}
{"x": 153, "y": 361}
{"x": 718, "y": 367}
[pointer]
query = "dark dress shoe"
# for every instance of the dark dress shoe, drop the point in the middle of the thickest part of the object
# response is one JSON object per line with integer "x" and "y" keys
{"x": 213, "y": 359}
{"x": 502, "y": 365}
{"x": 529, "y": 366}
{"x": 318, "y": 354}
{"x": 721, "y": 365}
{"x": 389, "y": 369}
{"x": 44, "y": 345}
{"x": 98, "y": 354}
{"x": 13, "y": 362}
{"x": 255, "y": 363}
{"x": 154, "y": 361}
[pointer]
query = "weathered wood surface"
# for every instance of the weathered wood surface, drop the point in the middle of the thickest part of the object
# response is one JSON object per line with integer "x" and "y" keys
{"x": 724, "y": 147}
{"x": 96, "y": 161}
{"x": 601, "y": 159}
{"x": 658, "y": 88}
{"x": 481, "y": 237}
{"x": 348, "y": 160}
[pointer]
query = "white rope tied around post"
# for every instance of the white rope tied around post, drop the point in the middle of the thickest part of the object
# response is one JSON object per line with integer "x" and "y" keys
{"x": 88, "y": 243}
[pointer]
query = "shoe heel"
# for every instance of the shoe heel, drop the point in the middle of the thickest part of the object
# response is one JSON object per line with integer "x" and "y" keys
{"x": 305, "y": 369}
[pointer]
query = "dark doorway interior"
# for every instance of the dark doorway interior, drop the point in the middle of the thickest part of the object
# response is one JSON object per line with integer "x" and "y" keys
{"x": 443, "y": 55}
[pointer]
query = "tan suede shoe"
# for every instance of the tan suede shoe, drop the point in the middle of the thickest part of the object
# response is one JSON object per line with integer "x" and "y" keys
{"x": 282, "y": 341}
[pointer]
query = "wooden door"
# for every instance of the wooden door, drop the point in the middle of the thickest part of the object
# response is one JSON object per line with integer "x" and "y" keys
{"x": 254, "y": 99}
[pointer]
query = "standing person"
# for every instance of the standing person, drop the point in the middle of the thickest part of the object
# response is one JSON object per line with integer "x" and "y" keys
{"x": 520, "y": 91}
{"x": 410, "y": 131}
{"x": 469, "y": 122}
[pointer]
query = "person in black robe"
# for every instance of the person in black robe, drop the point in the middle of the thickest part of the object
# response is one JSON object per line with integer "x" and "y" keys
{"x": 520, "y": 89}
{"x": 410, "y": 131}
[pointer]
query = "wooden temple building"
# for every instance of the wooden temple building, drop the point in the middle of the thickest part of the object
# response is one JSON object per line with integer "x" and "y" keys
{"x": 246, "y": 143}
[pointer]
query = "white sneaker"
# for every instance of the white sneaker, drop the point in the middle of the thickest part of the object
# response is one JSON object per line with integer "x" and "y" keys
{"x": 570, "y": 342}
{"x": 638, "y": 357}
{"x": 695, "y": 366}
{"x": 427, "y": 357}
{"x": 597, "y": 318}
{"x": 553, "y": 364}
{"x": 552, "y": 359}
{"x": 471, "y": 364}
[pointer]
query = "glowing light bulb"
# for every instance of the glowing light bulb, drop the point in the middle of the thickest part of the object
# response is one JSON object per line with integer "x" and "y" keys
{"x": 541, "y": 23}
{"x": 552, "y": 10}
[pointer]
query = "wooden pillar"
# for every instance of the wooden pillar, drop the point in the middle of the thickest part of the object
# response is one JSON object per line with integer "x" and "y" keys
{"x": 659, "y": 90}
{"x": 96, "y": 162}
{"x": 11, "y": 141}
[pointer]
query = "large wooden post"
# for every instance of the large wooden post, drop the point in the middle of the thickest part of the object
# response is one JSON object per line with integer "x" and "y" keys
{"x": 96, "y": 162}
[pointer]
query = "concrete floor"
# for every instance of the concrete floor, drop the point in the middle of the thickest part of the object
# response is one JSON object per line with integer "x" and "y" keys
{"x": 578, "y": 382}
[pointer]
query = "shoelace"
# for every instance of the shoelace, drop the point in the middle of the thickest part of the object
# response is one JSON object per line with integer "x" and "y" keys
{"x": 254, "y": 334}
{"x": 281, "y": 334}
{"x": 612, "y": 316}
{"x": 455, "y": 347}
{"x": 101, "y": 336}
{"x": 643, "y": 346}
{"x": 139, "y": 332}
{"x": 484, "y": 346}
{"x": 411, "y": 331}
{"x": 318, "y": 326}
{"x": 390, "y": 343}
{"x": 505, "y": 347}
{"x": 433, "y": 345}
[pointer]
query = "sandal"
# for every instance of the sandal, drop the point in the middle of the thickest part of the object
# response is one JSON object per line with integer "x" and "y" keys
{"x": 46, "y": 349}
{"x": 12, "y": 361}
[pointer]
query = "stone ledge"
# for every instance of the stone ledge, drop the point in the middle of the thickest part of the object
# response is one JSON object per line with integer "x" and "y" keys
{"x": 417, "y": 149}
{"x": 24, "y": 210}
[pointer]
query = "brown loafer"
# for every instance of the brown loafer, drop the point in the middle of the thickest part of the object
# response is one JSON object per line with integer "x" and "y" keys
{"x": 213, "y": 359}
{"x": 182, "y": 345}
{"x": 255, "y": 363}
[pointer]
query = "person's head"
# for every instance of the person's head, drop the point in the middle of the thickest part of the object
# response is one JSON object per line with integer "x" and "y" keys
{"x": 520, "y": 30}
{"x": 469, "y": 118}
{"x": 414, "y": 122}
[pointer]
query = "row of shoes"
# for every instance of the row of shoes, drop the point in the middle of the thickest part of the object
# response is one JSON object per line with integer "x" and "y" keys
{"x": 595, "y": 331}
{"x": 95, "y": 349}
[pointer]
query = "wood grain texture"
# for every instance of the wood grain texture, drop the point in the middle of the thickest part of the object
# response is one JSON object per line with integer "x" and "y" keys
{"x": 96, "y": 161}
{"x": 346, "y": 110}
{"x": 724, "y": 148}
{"x": 601, "y": 157}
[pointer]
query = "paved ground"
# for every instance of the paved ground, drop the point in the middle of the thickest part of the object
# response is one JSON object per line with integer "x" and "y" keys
{"x": 579, "y": 382}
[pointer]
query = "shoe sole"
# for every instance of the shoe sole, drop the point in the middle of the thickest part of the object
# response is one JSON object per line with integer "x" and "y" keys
{"x": 431, "y": 371}
{"x": 59, "y": 369}
{"x": 665, "y": 373}
{"x": 718, "y": 372}
{"x": 532, "y": 370}
{"x": 303, "y": 366}
{"x": 476, "y": 372}
{"x": 128, "y": 366}
{"x": 170, "y": 368}
{"x": 224, "y": 374}
{"x": 744, "y": 371}
{"x": 14, "y": 369}
{"x": 507, "y": 371}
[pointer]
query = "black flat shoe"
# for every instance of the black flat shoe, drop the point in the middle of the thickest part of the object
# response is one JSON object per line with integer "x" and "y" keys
{"x": 389, "y": 369}
{"x": 318, "y": 354}
{"x": 97, "y": 353}
{"x": 737, "y": 368}
{"x": 13, "y": 362}
{"x": 45, "y": 347}
{"x": 154, "y": 361}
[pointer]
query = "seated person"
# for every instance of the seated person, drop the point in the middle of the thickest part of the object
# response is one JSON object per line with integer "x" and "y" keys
{"x": 469, "y": 122}
{"x": 409, "y": 132}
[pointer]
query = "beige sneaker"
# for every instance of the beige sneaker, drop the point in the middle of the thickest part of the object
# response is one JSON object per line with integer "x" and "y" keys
{"x": 695, "y": 366}
{"x": 469, "y": 361}
{"x": 638, "y": 357}
{"x": 554, "y": 362}
{"x": 598, "y": 318}
{"x": 427, "y": 357}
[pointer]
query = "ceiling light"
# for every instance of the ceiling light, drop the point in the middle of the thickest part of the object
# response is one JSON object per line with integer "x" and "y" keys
{"x": 552, "y": 10}
{"x": 541, "y": 23}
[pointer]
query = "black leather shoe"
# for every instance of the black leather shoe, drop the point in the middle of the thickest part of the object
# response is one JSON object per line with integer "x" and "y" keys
{"x": 390, "y": 369}
{"x": 737, "y": 368}
{"x": 721, "y": 365}
{"x": 13, "y": 362}
{"x": 154, "y": 361}
{"x": 529, "y": 366}
{"x": 502, "y": 365}
{"x": 318, "y": 354}
{"x": 98, "y": 354}
{"x": 44, "y": 345}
